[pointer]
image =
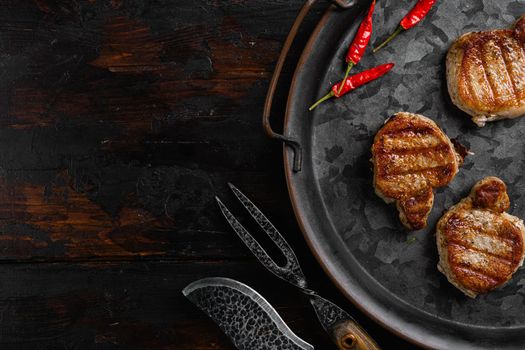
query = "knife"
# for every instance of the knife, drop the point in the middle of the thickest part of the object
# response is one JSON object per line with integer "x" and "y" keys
{"x": 244, "y": 315}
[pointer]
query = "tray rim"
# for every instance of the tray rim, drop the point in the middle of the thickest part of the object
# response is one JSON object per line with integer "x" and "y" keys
{"x": 320, "y": 255}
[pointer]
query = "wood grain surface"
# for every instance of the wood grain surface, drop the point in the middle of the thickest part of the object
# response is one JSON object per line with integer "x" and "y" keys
{"x": 119, "y": 122}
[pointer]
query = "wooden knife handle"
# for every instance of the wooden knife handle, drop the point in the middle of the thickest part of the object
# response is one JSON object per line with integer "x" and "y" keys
{"x": 349, "y": 335}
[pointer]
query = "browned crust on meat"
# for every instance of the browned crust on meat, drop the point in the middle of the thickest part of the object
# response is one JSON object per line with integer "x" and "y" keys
{"x": 414, "y": 210}
{"x": 480, "y": 246}
{"x": 411, "y": 156}
{"x": 486, "y": 73}
{"x": 491, "y": 194}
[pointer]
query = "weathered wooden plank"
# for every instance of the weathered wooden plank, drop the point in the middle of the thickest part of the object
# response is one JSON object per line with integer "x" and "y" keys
{"x": 133, "y": 306}
{"x": 172, "y": 214}
{"x": 120, "y": 122}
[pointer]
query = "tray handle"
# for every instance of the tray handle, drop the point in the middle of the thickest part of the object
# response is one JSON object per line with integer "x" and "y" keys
{"x": 296, "y": 146}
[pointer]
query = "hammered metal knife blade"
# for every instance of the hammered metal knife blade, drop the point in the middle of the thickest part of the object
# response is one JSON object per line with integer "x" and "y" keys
{"x": 244, "y": 315}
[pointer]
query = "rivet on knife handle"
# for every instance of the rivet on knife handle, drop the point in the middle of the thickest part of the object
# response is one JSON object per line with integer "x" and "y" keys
{"x": 348, "y": 335}
{"x": 344, "y": 330}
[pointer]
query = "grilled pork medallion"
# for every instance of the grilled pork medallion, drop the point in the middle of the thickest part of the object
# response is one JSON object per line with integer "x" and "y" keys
{"x": 486, "y": 73}
{"x": 480, "y": 245}
{"x": 411, "y": 156}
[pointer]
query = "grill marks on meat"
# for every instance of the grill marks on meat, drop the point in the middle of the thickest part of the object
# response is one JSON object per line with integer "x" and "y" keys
{"x": 480, "y": 245}
{"x": 486, "y": 73}
{"x": 411, "y": 156}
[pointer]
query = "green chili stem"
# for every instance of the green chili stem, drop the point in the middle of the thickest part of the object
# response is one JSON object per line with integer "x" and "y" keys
{"x": 321, "y": 100}
{"x": 350, "y": 65}
{"x": 398, "y": 30}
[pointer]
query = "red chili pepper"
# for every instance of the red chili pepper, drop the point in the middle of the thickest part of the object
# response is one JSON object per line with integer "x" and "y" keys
{"x": 358, "y": 46}
{"x": 413, "y": 17}
{"x": 354, "y": 82}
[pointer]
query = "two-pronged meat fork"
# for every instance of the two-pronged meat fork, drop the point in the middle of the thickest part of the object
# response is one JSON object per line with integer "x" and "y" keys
{"x": 344, "y": 330}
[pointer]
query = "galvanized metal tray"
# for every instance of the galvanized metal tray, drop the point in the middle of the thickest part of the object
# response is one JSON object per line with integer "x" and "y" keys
{"x": 389, "y": 273}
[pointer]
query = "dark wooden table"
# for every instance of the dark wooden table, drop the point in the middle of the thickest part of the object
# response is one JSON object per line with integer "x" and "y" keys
{"x": 120, "y": 122}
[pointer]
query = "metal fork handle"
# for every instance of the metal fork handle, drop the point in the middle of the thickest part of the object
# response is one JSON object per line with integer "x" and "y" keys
{"x": 296, "y": 146}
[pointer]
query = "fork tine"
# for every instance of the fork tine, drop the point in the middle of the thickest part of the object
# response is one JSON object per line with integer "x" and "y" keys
{"x": 263, "y": 221}
{"x": 292, "y": 265}
{"x": 248, "y": 239}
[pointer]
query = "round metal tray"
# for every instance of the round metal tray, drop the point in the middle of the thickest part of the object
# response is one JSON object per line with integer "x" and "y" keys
{"x": 390, "y": 273}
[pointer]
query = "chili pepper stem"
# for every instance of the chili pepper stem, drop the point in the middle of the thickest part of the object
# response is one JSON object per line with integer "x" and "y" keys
{"x": 398, "y": 30}
{"x": 322, "y": 99}
{"x": 348, "y": 68}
